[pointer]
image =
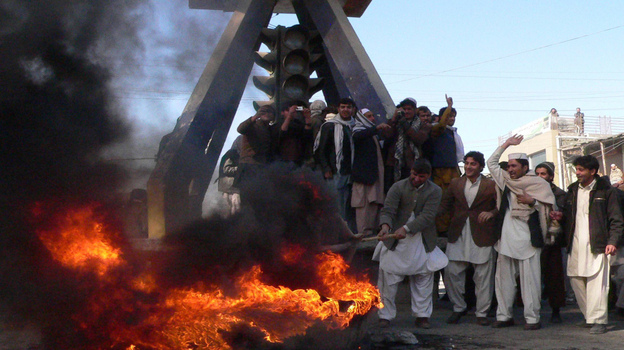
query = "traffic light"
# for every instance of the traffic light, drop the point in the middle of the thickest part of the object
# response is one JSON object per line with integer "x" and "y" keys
{"x": 290, "y": 64}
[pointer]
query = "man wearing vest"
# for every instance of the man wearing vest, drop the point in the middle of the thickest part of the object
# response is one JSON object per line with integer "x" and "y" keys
{"x": 522, "y": 224}
{"x": 471, "y": 201}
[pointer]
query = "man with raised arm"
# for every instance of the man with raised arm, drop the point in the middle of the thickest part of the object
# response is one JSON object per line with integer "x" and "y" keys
{"x": 522, "y": 225}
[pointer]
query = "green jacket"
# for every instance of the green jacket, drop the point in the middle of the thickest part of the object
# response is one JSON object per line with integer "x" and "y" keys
{"x": 403, "y": 199}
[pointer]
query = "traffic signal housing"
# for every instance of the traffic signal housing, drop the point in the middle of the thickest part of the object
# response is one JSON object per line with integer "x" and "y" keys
{"x": 290, "y": 64}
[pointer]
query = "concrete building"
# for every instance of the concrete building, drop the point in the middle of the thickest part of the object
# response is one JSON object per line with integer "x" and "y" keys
{"x": 556, "y": 140}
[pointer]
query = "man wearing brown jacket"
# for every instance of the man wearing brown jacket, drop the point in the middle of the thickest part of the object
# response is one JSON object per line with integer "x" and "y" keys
{"x": 471, "y": 202}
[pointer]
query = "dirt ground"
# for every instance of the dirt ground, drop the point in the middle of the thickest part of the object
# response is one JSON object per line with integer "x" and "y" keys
{"x": 468, "y": 335}
{"x": 465, "y": 335}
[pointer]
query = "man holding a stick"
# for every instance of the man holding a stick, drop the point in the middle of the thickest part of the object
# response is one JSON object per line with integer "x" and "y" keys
{"x": 409, "y": 213}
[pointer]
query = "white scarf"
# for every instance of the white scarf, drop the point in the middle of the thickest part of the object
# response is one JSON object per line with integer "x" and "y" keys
{"x": 361, "y": 123}
{"x": 339, "y": 123}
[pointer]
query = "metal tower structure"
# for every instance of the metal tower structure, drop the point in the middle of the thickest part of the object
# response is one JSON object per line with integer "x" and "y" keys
{"x": 178, "y": 183}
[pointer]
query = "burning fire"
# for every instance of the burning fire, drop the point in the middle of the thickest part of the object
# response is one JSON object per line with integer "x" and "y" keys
{"x": 79, "y": 241}
{"x": 197, "y": 317}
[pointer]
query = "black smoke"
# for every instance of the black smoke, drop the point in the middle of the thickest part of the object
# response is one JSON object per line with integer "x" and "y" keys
{"x": 284, "y": 208}
{"x": 67, "y": 71}
{"x": 62, "y": 65}
{"x": 57, "y": 115}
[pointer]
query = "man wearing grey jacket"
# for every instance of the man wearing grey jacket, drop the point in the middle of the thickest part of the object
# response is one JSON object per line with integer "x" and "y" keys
{"x": 409, "y": 213}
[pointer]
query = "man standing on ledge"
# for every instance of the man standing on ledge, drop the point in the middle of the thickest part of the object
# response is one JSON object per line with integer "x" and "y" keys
{"x": 522, "y": 225}
{"x": 592, "y": 221}
{"x": 334, "y": 146}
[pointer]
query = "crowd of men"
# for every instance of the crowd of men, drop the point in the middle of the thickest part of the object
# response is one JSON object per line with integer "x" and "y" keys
{"x": 398, "y": 180}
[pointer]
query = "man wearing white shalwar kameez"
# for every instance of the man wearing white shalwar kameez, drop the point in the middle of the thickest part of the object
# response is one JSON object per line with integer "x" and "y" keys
{"x": 522, "y": 234}
{"x": 593, "y": 225}
{"x": 471, "y": 200}
{"x": 409, "y": 211}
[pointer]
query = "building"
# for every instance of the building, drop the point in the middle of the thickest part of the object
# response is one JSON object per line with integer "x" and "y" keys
{"x": 555, "y": 139}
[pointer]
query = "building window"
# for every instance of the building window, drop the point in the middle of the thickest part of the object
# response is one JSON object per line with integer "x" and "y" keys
{"x": 537, "y": 158}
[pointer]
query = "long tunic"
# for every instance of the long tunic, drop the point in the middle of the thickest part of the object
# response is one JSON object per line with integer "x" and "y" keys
{"x": 582, "y": 262}
{"x": 515, "y": 241}
{"x": 464, "y": 249}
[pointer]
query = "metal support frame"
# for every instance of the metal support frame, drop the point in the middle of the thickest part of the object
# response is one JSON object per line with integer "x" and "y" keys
{"x": 352, "y": 72}
{"x": 179, "y": 182}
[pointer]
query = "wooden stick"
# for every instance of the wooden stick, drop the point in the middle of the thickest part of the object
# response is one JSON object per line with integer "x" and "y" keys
{"x": 375, "y": 238}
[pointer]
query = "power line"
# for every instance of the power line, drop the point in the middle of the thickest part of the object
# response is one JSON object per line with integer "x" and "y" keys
{"x": 513, "y": 54}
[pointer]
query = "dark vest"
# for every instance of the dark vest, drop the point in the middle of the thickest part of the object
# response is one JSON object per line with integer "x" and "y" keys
{"x": 537, "y": 238}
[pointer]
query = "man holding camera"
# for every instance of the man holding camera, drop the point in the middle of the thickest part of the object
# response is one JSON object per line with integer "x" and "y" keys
{"x": 258, "y": 147}
{"x": 295, "y": 136}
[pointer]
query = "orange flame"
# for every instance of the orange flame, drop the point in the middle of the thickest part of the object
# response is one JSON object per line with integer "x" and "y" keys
{"x": 278, "y": 312}
{"x": 196, "y": 317}
{"x": 81, "y": 242}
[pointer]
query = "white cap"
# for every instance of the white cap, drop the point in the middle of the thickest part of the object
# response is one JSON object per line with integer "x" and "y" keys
{"x": 518, "y": 156}
{"x": 364, "y": 110}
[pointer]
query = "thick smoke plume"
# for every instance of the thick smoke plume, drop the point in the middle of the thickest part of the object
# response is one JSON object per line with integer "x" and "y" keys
{"x": 57, "y": 116}
{"x": 68, "y": 69}
{"x": 62, "y": 64}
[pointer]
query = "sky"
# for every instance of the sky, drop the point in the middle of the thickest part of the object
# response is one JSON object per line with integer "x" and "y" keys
{"x": 505, "y": 63}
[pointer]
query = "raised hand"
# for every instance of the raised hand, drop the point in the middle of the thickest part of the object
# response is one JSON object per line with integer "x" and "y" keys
{"x": 514, "y": 140}
{"x": 449, "y": 101}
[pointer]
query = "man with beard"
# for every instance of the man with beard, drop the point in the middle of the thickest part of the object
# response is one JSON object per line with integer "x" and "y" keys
{"x": 406, "y": 149}
{"x": 521, "y": 228}
{"x": 415, "y": 199}
{"x": 592, "y": 221}
{"x": 471, "y": 200}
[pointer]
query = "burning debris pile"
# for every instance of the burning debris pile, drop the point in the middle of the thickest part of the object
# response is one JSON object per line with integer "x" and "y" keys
{"x": 255, "y": 280}
{"x": 262, "y": 278}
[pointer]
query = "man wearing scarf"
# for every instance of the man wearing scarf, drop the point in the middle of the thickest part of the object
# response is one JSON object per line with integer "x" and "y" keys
{"x": 406, "y": 147}
{"x": 367, "y": 194}
{"x": 334, "y": 146}
{"x": 522, "y": 225}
